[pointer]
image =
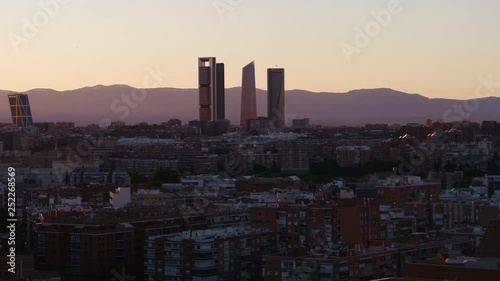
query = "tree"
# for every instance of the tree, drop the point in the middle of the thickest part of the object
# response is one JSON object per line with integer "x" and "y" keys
{"x": 165, "y": 175}
{"x": 259, "y": 168}
{"x": 136, "y": 178}
{"x": 450, "y": 167}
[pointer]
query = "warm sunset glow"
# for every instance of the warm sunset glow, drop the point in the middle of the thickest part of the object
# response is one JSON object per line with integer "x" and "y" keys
{"x": 435, "y": 48}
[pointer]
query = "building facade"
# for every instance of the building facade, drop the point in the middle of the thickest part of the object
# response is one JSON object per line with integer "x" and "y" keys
{"x": 248, "y": 95}
{"x": 230, "y": 253}
{"x": 211, "y": 89}
{"x": 276, "y": 96}
{"x": 20, "y": 110}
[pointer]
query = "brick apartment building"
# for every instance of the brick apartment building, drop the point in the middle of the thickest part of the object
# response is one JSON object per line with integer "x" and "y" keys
{"x": 90, "y": 248}
{"x": 300, "y": 227}
{"x": 349, "y": 264}
{"x": 257, "y": 184}
{"x": 377, "y": 263}
{"x": 294, "y": 157}
{"x": 448, "y": 215}
{"x": 397, "y": 195}
{"x": 217, "y": 254}
{"x": 360, "y": 222}
{"x": 353, "y": 156}
{"x": 85, "y": 251}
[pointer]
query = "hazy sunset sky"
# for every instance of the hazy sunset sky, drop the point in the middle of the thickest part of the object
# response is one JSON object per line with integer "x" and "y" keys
{"x": 437, "y": 48}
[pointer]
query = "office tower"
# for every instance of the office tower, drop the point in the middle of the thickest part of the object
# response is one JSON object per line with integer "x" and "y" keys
{"x": 211, "y": 89}
{"x": 276, "y": 96}
{"x": 248, "y": 99}
{"x": 207, "y": 81}
{"x": 220, "y": 93}
{"x": 20, "y": 110}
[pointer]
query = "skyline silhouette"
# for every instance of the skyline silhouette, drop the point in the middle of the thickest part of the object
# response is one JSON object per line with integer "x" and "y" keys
{"x": 358, "y": 107}
{"x": 441, "y": 56}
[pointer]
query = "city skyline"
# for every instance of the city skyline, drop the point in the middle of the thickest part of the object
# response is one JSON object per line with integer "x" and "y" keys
{"x": 95, "y": 105}
{"x": 250, "y": 140}
{"x": 314, "y": 37}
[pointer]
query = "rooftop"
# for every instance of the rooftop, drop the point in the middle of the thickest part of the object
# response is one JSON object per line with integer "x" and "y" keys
{"x": 211, "y": 233}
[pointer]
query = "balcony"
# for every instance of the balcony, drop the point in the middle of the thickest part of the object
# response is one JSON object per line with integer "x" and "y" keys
{"x": 245, "y": 252}
{"x": 172, "y": 257}
{"x": 171, "y": 271}
{"x": 203, "y": 255}
{"x": 173, "y": 263}
{"x": 205, "y": 250}
{"x": 209, "y": 272}
{"x": 207, "y": 264}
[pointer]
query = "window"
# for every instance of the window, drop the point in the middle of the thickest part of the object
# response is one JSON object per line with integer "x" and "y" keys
{"x": 41, "y": 245}
{"x": 75, "y": 238}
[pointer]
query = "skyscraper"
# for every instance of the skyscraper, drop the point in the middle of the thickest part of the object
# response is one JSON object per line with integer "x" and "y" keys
{"x": 248, "y": 99}
{"x": 20, "y": 110}
{"x": 211, "y": 89}
{"x": 220, "y": 93}
{"x": 276, "y": 96}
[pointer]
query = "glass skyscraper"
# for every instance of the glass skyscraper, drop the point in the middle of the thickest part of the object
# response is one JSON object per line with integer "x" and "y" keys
{"x": 20, "y": 110}
{"x": 248, "y": 98}
{"x": 276, "y": 96}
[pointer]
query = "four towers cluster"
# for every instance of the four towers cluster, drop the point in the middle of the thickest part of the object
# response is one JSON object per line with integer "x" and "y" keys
{"x": 212, "y": 93}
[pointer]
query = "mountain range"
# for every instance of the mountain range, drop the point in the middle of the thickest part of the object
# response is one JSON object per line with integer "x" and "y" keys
{"x": 93, "y": 104}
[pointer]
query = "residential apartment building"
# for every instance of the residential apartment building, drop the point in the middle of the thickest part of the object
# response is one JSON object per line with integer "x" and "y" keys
{"x": 217, "y": 254}
{"x": 353, "y": 156}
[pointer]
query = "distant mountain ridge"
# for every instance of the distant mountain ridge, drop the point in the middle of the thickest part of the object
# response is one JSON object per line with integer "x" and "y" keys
{"x": 357, "y": 107}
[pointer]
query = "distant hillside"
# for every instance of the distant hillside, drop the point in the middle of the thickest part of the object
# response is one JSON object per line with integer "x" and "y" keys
{"x": 92, "y": 104}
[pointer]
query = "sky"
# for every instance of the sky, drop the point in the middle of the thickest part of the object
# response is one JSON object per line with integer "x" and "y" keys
{"x": 434, "y": 48}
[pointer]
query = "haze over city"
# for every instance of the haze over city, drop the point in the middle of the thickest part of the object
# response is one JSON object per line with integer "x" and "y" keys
{"x": 433, "y": 48}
